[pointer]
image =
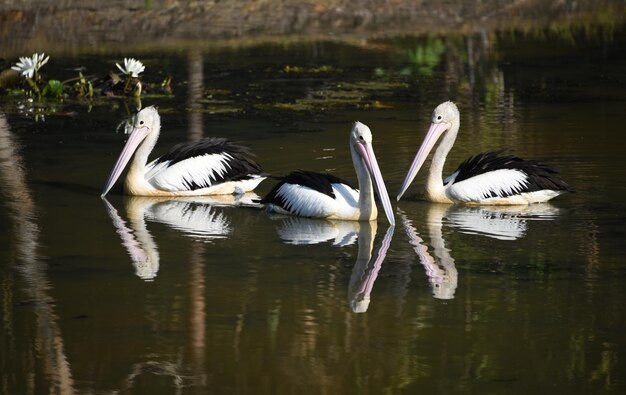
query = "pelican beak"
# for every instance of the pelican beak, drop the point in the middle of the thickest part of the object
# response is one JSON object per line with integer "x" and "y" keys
{"x": 367, "y": 153}
{"x": 136, "y": 137}
{"x": 433, "y": 134}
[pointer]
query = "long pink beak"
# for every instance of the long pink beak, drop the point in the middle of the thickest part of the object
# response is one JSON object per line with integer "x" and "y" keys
{"x": 136, "y": 137}
{"x": 367, "y": 153}
{"x": 435, "y": 130}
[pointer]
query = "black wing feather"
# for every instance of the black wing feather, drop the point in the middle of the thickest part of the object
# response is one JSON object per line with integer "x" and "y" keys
{"x": 320, "y": 182}
{"x": 539, "y": 175}
{"x": 240, "y": 167}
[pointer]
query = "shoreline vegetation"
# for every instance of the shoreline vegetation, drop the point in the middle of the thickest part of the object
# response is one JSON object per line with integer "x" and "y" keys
{"x": 96, "y": 26}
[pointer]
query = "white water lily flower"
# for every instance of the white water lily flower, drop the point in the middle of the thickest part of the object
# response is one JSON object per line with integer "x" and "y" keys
{"x": 132, "y": 67}
{"x": 29, "y": 66}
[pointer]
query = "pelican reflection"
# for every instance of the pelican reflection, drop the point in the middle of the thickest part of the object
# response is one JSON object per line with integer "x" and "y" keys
{"x": 440, "y": 269}
{"x": 365, "y": 270}
{"x": 306, "y": 231}
{"x": 136, "y": 239}
{"x": 497, "y": 222}
{"x": 198, "y": 217}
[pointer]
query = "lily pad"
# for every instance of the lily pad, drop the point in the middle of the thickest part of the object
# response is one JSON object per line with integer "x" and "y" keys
{"x": 54, "y": 88}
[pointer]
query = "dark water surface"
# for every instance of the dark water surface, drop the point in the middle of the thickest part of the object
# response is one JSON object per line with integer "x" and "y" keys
{"x": 137, "y": 295}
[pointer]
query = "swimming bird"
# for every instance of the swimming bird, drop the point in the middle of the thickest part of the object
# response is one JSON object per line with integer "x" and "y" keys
{"x": 486, "y": 178}
{"x": 210, "y": 166}
{"x": 321, "y": 195}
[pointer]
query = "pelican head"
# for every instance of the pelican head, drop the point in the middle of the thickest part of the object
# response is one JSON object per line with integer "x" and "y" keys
{"x": 444, "y": 118}
{"x": 146, "y": 123}
{"x": 446, "y": 113}
{"x": 361, "y": 142}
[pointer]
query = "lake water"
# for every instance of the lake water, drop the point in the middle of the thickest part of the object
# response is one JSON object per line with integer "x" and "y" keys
{"x": 137, "y": 295}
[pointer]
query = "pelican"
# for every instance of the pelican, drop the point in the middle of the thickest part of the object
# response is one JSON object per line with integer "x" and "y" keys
{"x": 211, "y": 166}
{"x": 320, "y": 195}
{"x": 486, "y": 178}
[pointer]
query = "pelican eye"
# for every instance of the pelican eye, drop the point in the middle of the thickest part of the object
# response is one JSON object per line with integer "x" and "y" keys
{"x": 141, "y": 122}
{"x": 439, "y": 117}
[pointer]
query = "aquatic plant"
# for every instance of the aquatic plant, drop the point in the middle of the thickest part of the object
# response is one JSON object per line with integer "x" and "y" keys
{"x": 83, "y": 87}
{"x": 115, "y": 84}
{"x": 53, "y": 88}
{"x": 132, "y": 68}
{"x": 28, "y": 67}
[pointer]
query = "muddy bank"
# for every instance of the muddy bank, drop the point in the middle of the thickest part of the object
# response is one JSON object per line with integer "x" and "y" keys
{"x": 78, "y": 25}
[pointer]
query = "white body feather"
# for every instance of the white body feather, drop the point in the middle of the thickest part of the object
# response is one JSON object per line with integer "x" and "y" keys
{"x": 205, "y": 169}
{"x": 306, "y": 202}
{"x": 201, "y": 170}
{"x": 506, "y": 184}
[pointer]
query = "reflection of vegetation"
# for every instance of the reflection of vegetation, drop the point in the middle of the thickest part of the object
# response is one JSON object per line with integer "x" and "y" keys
{"x": 421, "y": 60}
{"x": 608, "y": 361}
{"x": 35, "y": 109}
{"x": 424, "y": 58}
{"x": 599, "y": 24}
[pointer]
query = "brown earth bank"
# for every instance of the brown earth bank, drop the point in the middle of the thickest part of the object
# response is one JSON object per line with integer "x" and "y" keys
{"x": 83, "y": 24}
